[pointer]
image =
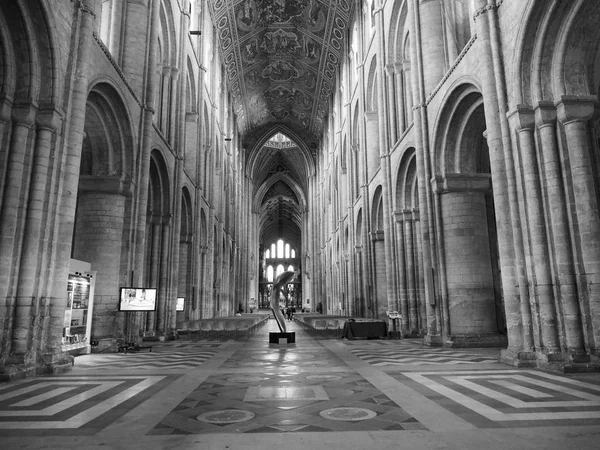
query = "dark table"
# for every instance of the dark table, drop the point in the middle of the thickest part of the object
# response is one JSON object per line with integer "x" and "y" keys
{"x": 373, "y": 329}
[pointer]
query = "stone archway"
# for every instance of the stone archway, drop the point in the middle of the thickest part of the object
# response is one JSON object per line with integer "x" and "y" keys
{"x": 472, "y": 295}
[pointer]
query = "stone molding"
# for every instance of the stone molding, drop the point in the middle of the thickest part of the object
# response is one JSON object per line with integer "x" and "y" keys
{"x": 458, "y": 182}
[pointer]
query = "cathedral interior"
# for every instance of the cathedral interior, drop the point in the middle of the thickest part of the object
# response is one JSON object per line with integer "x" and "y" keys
{"x": 429, "y": 169}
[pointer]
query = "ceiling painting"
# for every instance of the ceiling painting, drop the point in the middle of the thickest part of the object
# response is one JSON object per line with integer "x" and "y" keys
{"x": 281, "y": 59}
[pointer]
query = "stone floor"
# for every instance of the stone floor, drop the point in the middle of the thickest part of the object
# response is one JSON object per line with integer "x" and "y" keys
{"x": 315, "y": 394}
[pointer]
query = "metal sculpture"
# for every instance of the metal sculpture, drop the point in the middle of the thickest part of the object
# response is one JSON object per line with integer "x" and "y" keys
{"x": 283, "y": 279}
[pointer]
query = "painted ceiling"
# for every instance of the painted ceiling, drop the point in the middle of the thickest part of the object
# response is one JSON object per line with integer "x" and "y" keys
{"x": 281, "y": 59}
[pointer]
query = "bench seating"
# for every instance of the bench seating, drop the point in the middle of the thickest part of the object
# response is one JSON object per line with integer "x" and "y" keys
{"x": 231, "y": 327}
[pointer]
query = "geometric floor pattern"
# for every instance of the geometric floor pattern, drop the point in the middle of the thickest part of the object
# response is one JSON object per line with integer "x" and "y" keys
{"x": 319, "y": 393}
{"x": 511, "y": 398}
{"x": 148, "y": 360}
{"x": 410, "y": 355}
{"x": 276, "y": 402}
{"x": 73, "y": 405}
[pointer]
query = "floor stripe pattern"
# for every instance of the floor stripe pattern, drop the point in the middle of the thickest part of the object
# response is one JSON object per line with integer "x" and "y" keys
{"x": 510, "y": 398}
{"x": 73, "y": 404}
{"x": 400, "y": 355}
{"x": 147, "y": 360}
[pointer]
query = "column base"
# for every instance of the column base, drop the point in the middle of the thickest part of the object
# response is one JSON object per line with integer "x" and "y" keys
{"x": 433, "y": 340}
{"x": 518, "y": 358}
{"x": 476, "y": 340}
{"x": 47, "y": 364}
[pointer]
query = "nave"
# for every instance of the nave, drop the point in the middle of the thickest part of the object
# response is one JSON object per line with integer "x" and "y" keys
{"x": 318, "y": 393}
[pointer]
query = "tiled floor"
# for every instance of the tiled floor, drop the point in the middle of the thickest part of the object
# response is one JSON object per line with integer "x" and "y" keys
{"x": 315, "y": 394}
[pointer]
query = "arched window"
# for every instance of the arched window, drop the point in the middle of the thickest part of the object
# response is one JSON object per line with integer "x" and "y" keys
{"x": 287, "y": 251}
{"x": 280, "y": 270}
{"x": 267, "y": 254}
{"x": 290, "y": 267}
{"x": 293, "y": 254}
{"x": 273, "y": 251}
{"x": 270, "y": 274}
{"x": 280, "y": 248}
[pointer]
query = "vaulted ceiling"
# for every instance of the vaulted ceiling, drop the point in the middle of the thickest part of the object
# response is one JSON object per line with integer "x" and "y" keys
{"x": 281, "y": 58}
{"x": 281, "y": 61}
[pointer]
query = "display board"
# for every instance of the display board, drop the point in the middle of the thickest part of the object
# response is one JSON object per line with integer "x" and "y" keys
{"x": 137, "y": 299}
{"x": 77, "y": 322}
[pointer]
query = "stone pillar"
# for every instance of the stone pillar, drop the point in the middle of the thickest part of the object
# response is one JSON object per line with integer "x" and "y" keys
{"x": 574, "y": 113}
{"x": 135, "y": 38}
{"x": 402, "y": 106}
{"x": 392, "y": 107}
{"x": 411, "y": 288}
{"x": 154, "y": 266}
{"x": 433, "y": 45}
{"x": 380, "y": 302}
{"x": 510, "y": 241}
{"x": 163, "y": 284}
{"x": 470, "y": 285}
{"x": 421, "y": 304}
{"x": 372, "y": 139}
{"x": 15, "y": 196}
{"x": 402, "y": 269}
{"x": 99, "y": 240}
{"x": 541, "y": 288}
{"x": 550, "y": 161}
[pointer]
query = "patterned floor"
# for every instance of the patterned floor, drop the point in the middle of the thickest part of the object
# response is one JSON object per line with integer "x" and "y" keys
{"x": 511, "y": 398}
{"x": 318, "y": 393}
{"x": 274, "y": 402}
{"x": 399, "y": 353}
{"x": 147, "y": 360}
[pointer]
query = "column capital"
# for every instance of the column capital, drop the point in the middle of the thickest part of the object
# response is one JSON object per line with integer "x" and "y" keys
{"x": 24, "y": 112}
{"x": 377, "y": 235}
{"x": 407, "y": 214}
{"x": 6, "y": 103}
{"x": 399, "y": 67}
{"x": 571, "y": 108}
{"x": 389, "y": 69}
{"x": 522, "y": 118}
{"x": 107, "y": 184}
{"x": 545, "y": 114}
{"x": 399, "y": 215}
{"x": 49, "y": 118}
{"x": 371, "y": 115}
{"x": 459, "y": 182}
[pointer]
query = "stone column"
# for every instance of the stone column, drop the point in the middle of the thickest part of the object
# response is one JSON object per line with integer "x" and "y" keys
{"x": 574, "y": 113}
{"x": 136, "y": 32}
{"x": 541, "y": 287}
{"x": 163, "y": 284}
{"x": 99, "y": 240}
{"x": 433, "y": 45}
{"x": 372, "y": 138}
{"x": 510, "y": 242}
{"x": 380, "y": 302}
{"x": 15, "y": 195}
{"x": 420, "y": 275}
{"x": 470, "y": 285}
{"x": 411, "y": 287}
{"x": 550, "y": 161}
{"x": 31, "y": 299}
{"x": 392, "y": 107}
{"x": 402, "y": 278}
{"x": 402, "y": 106}
{"x": 154, "y": 264}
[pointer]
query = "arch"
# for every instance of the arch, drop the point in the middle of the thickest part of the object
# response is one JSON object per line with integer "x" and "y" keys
{"x": 371, "y": 93}
{"x": 563, "y": 36}
{"x": 377, "y": 211}
{"x": 108, "y": 144}
{"x": 257, "y": 144}
{"x": 457, "y": 131}
{"x": 159, "y": 198}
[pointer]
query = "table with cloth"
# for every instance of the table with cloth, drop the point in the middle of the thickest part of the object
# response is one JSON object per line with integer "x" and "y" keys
{"x": 367, "y": 329}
